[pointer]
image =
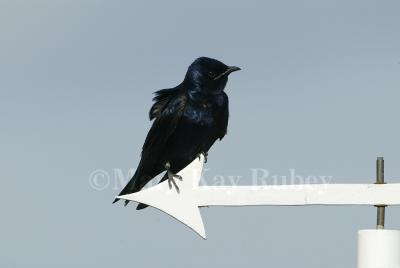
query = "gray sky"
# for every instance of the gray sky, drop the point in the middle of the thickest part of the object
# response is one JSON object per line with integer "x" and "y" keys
{"x": 319, "y": 93}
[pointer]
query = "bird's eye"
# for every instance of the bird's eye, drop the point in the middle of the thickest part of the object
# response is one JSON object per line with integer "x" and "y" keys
{"x": 211, "y": 74}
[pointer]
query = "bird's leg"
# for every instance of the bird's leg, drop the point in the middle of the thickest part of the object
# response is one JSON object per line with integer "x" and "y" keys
{"x": 205, "y": 154}
{"x": 171, "y": 177}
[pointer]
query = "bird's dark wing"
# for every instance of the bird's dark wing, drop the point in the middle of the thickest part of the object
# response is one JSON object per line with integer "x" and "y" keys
{"x": 167, "y": 112}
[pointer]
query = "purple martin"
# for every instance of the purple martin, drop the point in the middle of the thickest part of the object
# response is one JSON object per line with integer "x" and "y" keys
{"x": 187, "y": 120}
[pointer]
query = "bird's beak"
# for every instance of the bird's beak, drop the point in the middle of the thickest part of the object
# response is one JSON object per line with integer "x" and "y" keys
{"x": 230, "y": 69}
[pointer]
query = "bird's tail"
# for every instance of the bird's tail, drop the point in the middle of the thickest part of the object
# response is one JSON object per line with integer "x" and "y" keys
{"x": 134, "y": 185}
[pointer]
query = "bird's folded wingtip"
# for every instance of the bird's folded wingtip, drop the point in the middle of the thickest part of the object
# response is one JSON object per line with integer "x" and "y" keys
{"x": 141, "y": 206}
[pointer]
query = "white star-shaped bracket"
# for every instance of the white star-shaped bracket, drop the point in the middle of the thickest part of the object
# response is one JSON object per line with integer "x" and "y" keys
{"x": 179, "y": 203}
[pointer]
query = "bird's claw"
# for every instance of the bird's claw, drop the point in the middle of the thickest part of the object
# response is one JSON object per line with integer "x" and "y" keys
{"x": 171, "y": 177}
{"x": 172, "y": 182}
{"x": 205, "y": 154}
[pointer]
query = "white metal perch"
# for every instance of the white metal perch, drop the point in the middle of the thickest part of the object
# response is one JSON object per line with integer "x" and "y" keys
{"x": 377, "y": 248}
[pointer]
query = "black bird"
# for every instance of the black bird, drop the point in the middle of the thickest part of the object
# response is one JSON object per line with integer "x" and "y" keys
{"x": 188, "y": 119}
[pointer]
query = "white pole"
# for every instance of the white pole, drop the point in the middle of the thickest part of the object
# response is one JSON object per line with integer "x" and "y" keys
{"x": 378, "y": 249}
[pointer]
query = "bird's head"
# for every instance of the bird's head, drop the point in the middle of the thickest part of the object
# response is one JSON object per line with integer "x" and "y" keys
{"x": 209, "y": 75}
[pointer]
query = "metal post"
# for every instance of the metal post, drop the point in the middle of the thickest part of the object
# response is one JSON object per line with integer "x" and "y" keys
{"x": 380, "y": 179}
